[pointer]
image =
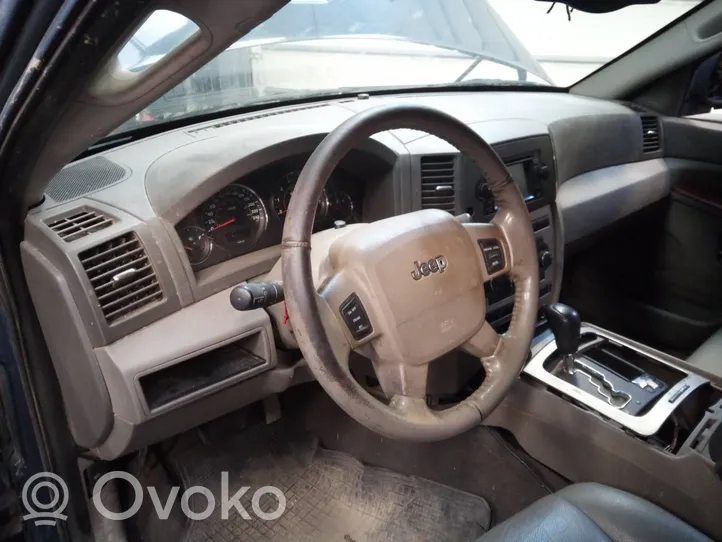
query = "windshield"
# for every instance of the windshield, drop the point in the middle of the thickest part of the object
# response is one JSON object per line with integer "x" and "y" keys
{"x": 327, "y": 47}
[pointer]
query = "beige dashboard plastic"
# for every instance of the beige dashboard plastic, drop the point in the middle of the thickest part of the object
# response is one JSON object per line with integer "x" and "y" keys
{"x": 170, "y": 167}
{"x": 194, "y": 330}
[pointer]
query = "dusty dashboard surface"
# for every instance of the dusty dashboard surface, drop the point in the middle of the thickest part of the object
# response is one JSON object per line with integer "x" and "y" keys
{"x": 132, "y": 255}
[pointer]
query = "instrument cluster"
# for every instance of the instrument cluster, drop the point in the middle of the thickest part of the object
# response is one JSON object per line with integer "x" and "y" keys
{"x": 248, "y": 214}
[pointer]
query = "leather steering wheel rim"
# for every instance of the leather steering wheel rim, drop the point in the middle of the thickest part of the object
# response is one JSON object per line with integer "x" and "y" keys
{"x": 502, "y": 356}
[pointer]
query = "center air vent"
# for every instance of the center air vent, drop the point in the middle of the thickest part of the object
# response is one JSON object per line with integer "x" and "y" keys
{"x": 79, "y": 224}
{"x": 437, "y": 182}
{"x": 650, "y": 134}
{"x": 122, "y": 276}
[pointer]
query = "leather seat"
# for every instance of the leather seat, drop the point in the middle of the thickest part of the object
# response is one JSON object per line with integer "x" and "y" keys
{"x": 708, "y": 357}
{"x": 593, "y": 512}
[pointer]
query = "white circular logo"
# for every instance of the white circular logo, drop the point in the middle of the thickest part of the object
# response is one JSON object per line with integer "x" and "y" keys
{"x": 39, "y": 511}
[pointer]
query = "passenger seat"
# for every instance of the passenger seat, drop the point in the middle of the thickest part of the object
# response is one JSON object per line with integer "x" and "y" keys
{"x": 708, "y": 357}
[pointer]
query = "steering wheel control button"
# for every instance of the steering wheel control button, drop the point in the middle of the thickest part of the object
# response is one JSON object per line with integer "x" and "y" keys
{"x": 493, "y": 255}
{"x": 354, "y": 314}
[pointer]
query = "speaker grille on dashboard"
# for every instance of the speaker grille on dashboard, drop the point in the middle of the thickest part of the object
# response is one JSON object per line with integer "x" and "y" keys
{"x": 84, "y": 177}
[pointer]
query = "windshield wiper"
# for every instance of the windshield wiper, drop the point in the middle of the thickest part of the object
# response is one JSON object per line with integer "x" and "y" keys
{"x": 520, "y": 72}
{"x": 298, "y": 96}
{"x": 115, "y": 140}
{"x": 477, "y": 56}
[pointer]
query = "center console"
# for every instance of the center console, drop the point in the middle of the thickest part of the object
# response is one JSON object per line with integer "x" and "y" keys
{"x": 530, "y": 162}
{"x": 596, "y": 406}
{"x": 624, "y": 381}
{"x": 649, "y": 394}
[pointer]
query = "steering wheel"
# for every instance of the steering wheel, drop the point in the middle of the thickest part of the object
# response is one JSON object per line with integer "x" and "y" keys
{"x": 405, "y": 290}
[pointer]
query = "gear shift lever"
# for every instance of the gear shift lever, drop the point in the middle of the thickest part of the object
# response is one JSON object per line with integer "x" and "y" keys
{"x": 566, "y": 326}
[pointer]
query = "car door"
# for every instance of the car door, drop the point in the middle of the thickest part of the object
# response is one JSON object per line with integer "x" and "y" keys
{"x": 10, "y": 511}
{"x": 23, "y": 37}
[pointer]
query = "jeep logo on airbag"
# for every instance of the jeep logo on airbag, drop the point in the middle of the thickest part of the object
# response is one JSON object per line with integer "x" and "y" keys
{"x": 424, "y": 269}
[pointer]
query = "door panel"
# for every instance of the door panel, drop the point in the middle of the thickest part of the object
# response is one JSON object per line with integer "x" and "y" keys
{"x": 683, "y": 301}
{"x": 657, "y": 276}
{"x": 687, "y": 273}
{"x": 689, "y": 260}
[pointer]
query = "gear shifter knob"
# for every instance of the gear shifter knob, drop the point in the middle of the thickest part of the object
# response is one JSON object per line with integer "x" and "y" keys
{"x": 566, "y": 326}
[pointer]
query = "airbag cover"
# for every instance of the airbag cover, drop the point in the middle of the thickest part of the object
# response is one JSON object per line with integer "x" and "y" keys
{"x": 420, "y": 273}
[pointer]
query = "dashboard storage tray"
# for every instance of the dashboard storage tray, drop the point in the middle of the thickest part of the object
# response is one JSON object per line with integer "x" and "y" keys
{"x": 195, "y": 374}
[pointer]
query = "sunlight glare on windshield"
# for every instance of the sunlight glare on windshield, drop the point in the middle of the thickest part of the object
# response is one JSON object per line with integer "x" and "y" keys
{"x": 159, "y": 35}
{"x": 332, "y": 47}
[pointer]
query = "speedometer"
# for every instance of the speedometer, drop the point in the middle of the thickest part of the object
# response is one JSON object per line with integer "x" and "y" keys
{"x": 235, "y": 218}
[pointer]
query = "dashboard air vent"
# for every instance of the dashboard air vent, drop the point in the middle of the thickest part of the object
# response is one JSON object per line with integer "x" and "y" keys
{"x": 79, "y": 224}
{"x": 437, "y": 182}
{"x": 122, "y": 276}
{"x": 650, "y": 134}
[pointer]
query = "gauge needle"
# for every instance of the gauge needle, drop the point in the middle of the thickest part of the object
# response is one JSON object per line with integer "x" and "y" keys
{"x": 187, "y": 248}
{"x": 226, "y": 223}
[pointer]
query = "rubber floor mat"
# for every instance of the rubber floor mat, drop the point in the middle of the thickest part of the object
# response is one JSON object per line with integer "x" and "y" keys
{"x": 330, "y": 496}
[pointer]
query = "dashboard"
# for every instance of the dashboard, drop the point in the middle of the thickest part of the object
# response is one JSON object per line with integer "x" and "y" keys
{"x": 131, "y": 258}
{"x": 249, "y": 213}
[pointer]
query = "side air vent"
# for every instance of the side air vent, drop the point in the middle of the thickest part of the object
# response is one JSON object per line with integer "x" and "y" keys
{"x": 122, "y": 276}
{"x": 437, "y": 182}
{"x": 84, "y": 177}
{"x": 651, "y": 141}
{"x": 79, "y": 224}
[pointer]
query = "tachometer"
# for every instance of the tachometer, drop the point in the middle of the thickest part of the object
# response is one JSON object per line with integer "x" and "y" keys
{"x": 235, "y": 218}
{"x": 282, "y": 197}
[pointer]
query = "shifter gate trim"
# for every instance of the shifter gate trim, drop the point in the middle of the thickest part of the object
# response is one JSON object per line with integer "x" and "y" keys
{"x": 646, "y": 425}
{"x": 593, "y": 374}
